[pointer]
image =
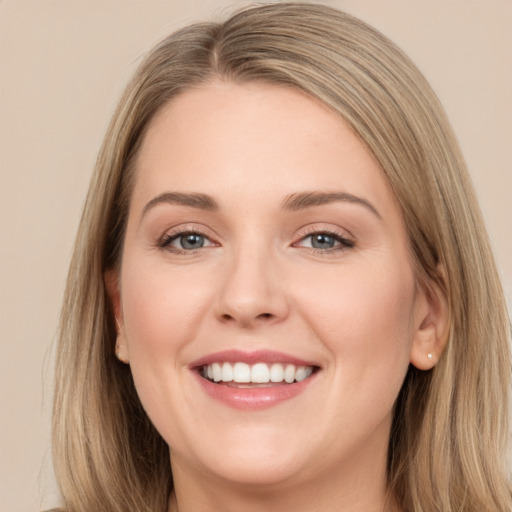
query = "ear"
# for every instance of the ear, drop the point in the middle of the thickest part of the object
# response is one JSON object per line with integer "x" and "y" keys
{"x": 431, "y": 324}
{"x": 111, "y": 278}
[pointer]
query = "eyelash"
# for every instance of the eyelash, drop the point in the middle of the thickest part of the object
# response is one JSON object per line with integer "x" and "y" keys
{"x": 166, "y": 241}
{"x": 344, "y": 243}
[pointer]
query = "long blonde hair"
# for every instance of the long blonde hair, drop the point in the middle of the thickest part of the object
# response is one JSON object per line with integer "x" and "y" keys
{"x": 447, "y": 446}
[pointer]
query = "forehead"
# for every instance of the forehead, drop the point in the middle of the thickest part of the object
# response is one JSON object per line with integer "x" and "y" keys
{"x": 253, "y": 138}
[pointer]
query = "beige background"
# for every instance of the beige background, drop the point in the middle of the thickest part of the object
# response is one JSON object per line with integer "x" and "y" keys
{"x": 62, "y": 66}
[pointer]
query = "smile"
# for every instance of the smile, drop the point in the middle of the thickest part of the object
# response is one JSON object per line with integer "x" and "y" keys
{"x": 253, "y": 380}
{"x": 259, "y": 373}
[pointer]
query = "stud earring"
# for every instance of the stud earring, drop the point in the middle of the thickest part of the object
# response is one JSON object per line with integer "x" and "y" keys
{"x": 430, "y": 356}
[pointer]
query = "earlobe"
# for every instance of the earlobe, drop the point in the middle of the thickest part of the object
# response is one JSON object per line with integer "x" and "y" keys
{"x": 431, "y": 327}
{"x": 120, "y": 351}
{"x": 114, "y": 295}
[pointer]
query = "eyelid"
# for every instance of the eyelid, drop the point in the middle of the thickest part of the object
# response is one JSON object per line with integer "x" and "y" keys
{"x": 344, "y": 242}
{"x": 164, "y": 241}
{"x": 320, "y": 227}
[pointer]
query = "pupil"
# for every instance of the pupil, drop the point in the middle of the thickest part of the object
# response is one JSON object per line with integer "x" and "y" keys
{"x": 323, "y": 242}
{"x": 191, "y": 241}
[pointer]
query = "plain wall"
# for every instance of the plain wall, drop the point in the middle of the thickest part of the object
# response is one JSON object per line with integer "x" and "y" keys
{"x": 63, "y": 65}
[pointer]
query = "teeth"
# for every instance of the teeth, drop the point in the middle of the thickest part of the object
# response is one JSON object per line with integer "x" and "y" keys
{"x": 241, "y": 372}
{"x": 302, "y": 373}
{"x": 276, "y": 372}
{"x": 259, "y": 373}
{"x": 217, "y": 372}
{"x": 289, "y": 373}
{"x": 227, "y": 372}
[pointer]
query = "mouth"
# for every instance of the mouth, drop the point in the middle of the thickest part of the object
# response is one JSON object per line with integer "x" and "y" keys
{"x": 253, "y": 380}
{"x": 243, "y": 375}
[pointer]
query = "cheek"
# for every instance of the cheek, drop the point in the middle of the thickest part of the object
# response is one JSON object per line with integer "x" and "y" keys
{"x": 162, "y": 311}
{"x": 365, "y": 319}
{"x": 161, "y": 307}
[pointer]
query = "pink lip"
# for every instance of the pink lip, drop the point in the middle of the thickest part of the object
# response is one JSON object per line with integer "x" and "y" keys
{"x": 251, "y": 398}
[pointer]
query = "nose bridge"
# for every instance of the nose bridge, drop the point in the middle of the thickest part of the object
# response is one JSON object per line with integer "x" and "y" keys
{"x": 252, "y": 292}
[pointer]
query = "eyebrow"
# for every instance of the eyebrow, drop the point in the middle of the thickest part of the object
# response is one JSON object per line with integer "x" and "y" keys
{"x": 293, "y": 202}
{"x": 192, "y": 200}
{"x": 303, "y": 200}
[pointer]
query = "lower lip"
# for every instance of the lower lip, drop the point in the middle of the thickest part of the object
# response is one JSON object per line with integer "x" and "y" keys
{"x": 253, "y": 398}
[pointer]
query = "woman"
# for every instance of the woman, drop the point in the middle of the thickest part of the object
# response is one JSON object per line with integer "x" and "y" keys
{"x": 283, "y": 249}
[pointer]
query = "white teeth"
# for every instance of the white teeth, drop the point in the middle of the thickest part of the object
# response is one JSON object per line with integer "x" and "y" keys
{"x": 227, "y": 372}
{"x": 276, "y": 373}
{"x": 303, "y": 372}
{"x": 217, "y": 372}
{"x": 259, "y": 373}
{"x": 289, "y": 373}
{"x": 241, "y": 372}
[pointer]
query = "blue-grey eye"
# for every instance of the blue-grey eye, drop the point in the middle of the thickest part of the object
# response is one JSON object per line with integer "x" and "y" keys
{"x": 185, "y": 241}
{"x": 325, "y": 241}
{"x": 322, "y": 241}
{"x": 191, "y": 241}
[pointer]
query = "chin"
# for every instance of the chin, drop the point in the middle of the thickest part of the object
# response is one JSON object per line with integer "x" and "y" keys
{"x": 257, "y": 473}
{"x": 251, "y": 458}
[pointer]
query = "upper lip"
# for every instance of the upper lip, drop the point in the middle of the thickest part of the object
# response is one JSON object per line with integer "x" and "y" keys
{"x": 256, "y": 356}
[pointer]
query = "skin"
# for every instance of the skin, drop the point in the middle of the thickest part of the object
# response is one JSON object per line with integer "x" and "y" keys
{"x": 354, "y": 310}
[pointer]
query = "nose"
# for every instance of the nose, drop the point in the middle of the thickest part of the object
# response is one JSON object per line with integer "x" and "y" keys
{"x": 252, "y": 293}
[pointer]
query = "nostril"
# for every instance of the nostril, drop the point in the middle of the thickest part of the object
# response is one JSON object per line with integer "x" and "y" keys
{"x": 226, "y": 317}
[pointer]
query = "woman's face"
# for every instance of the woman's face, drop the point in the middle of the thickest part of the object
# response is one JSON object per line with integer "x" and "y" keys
{"x": 266, "y": 300}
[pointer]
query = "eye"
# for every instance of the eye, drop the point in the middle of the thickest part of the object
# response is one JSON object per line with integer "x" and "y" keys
{"x": 191, "y": 241}
{"x": 322, "y": 241}
{"x": 185, "y": 241}
{"x": 325, "y": 241}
